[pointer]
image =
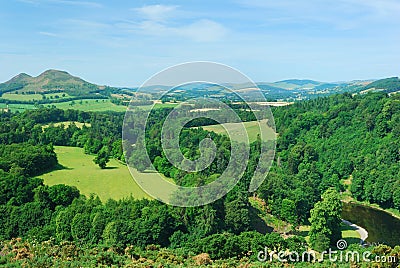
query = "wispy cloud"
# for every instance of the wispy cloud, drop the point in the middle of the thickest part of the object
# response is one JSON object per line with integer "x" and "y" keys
{"x": 49, "y": 34}
{"x": 340, "y": 14}
{"x": 156, "y": 21}
{"x": 383, "y": 8}
{"x": 199, "y": 31}
{"x": 156, "y": 12}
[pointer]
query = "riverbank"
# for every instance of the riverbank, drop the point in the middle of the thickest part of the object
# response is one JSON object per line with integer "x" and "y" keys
{"x": 347, "y": 197}
{"x": 382, "y": 227}
{"x": 392, "y": 212}
{"x": 360, "y": 230}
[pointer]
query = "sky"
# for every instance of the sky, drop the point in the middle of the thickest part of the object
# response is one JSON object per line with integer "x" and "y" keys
{"x": 123, "y": 43}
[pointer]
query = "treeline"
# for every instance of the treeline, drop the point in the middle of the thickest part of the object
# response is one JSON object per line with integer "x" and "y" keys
{"x": 388, "y": 85}
{"x": 27, "y": 159}
{"x": 56, "y": 100}
{"x": 321, "y": 142}
{"x": 104, "y": 132}
{"x": 58, "y": 215}
{"x": 326, "y": 140}
{"x": 32, "y": 210}
{"x": 127, "y": 101}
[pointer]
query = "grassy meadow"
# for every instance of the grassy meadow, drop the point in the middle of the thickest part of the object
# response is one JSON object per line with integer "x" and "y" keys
{"x": 79, "y": 170}
{"x": 22, "y": 97}
{"x": 95, "y": 105}
{"x": 252, "y": 129}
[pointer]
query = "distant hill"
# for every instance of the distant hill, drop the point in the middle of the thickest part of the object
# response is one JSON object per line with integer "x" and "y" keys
{"x": 300, "y": 82}
{"x": 387, "y": 85}
{"x": 54, "y": 86}
{"x": 50, "y": 81}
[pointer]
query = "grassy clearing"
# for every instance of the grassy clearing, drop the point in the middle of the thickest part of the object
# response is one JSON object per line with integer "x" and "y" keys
{"x": 90, "y": 105}
{"x": 79, "y": 170}
{"x": 252, "y": 129}
{"x": 21, "y": 97}
{"x": 17, "y": 107}
{"x": 67, "y": 123}
{"x": 350, "y": 234}
{"x": 60, "y": 95}
{"x": 157, "y": 106}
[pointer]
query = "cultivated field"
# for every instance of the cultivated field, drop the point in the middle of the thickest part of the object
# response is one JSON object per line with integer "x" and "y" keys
{"x": 252, "y": 128}
{"x": 90, "y": 105}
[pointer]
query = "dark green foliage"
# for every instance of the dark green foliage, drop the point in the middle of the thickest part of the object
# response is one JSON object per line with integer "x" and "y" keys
{"x": 62, "y": 194}
{"x": 237, "y": 218}
{"x": 27, "y": 159}
{"x": 325, "y": 140}
{"x": 80, "y": 227}
{"x": 102, "y": 158}
{"x": 321, "y": 142}
{"x": 325, "y": 221}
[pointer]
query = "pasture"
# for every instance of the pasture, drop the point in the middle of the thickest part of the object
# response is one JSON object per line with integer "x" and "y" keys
{"x": 252, "y": 129}
{"x": 79, "y": 170}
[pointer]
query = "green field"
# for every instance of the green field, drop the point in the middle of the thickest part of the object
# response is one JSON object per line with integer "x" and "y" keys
{"x": 91, "y": 105}
{"x": 21, "y": 97}
{"x": 94, "y": 105}
{"x": 87, "y": 105}
{"x": 57, "y": 95}
{"x": 17, "y": 107}
{"x": 252, "y": 129}
{"x": 79, "y": 170}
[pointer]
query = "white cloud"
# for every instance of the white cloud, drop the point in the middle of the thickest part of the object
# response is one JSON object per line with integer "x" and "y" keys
{"x": 203, "y": 31}
{"x": 156, "y": 12}
{"x": 200, "y": 30}
{"x": 156, "y": 21}
{"x": 49, "y": 34}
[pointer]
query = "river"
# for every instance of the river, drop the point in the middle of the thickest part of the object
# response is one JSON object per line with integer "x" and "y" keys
{"x": 381, "y": 226}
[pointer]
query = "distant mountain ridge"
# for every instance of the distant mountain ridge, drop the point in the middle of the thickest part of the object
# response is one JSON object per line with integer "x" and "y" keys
{"x": 73, "y": 88}
{"x": 300, "y": 82}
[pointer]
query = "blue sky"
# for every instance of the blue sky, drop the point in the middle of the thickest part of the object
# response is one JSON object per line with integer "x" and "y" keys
{"x": 122, "y": 43}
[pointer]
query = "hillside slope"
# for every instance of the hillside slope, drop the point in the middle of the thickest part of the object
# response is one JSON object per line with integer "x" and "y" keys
{"x": 50, "y": 81}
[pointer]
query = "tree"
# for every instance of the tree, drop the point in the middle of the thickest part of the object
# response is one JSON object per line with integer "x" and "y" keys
{"x": 63, "y": 225}
{"x": 325, "y": 221}
{"x": 103, "y": 157}
{"x": 63, "y": 195}
{"x": 396, "y": 198}
{"x": 237, "y": 216}
{"x": 80, "y": 227}
{"x": 288, "y": 211}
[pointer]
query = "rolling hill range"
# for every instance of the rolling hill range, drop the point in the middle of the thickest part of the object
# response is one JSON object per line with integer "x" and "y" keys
{"x": 59, "y": 89}
{"x": 388, "y": 85}
{"x": 63, "y": 90}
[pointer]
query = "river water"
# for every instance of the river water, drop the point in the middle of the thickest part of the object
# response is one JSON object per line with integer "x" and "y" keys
{"x": 381, "y": 226}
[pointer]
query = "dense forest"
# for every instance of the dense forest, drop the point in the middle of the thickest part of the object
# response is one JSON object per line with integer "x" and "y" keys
{"x": 321, "y": 143}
